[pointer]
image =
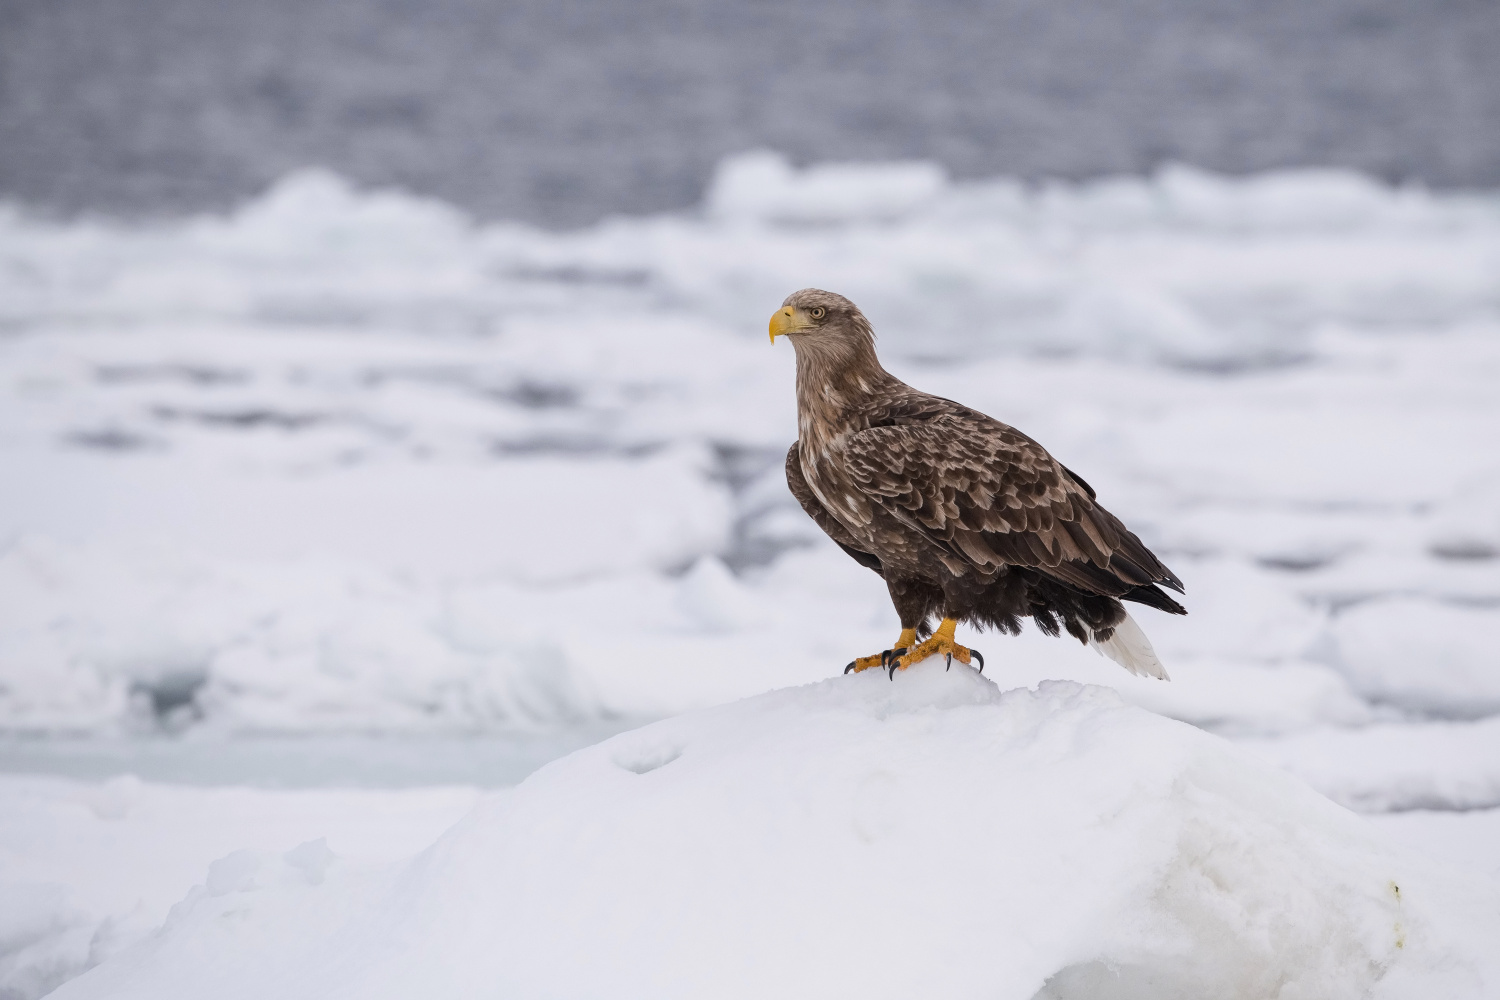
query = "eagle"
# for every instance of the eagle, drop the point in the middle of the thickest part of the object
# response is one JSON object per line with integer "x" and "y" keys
{"x": 964, "y": 517}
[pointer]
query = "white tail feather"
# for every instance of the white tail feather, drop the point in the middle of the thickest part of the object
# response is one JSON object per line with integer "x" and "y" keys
{"x": 1130, "y": 648}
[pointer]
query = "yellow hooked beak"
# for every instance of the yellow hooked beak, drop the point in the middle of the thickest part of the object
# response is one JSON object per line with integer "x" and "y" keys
{"x": 788, "y": 319}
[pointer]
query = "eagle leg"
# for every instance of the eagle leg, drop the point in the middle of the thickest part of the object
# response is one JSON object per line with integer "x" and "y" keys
{"x": 906, "y": 640}
{"x": 940, "y": 642}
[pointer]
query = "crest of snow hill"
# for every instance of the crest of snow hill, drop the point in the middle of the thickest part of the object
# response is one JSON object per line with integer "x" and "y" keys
{"x": 934, "y": 837}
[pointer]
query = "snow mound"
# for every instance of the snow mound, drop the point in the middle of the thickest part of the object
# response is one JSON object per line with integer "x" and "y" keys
{"x": 932, "y": 837}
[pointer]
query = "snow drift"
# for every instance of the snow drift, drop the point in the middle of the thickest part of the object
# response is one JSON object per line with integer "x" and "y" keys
{"x": 931, "y": 837}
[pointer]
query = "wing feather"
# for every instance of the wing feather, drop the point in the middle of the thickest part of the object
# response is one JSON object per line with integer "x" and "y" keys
{"x": 983, "y": 491}
{"x": 797, "y": 483}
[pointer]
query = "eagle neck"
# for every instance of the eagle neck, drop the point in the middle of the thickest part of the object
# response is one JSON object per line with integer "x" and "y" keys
{"x": 835, "y": 381}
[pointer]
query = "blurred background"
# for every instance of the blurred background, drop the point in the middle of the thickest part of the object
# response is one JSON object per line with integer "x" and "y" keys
{"x": 386, "y": 407}
{"x": 564, "y": 113}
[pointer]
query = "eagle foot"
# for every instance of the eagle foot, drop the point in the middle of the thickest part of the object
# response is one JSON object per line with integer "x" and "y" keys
{"x": 978, "y": 656}
{"x": 904, "y": 641}
{"x": 941, "y": 642}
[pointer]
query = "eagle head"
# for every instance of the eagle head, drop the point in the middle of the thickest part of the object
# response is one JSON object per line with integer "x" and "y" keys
{"x": 822, "y": 317}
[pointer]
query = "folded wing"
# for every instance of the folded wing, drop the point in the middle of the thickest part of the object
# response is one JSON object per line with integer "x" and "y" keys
{"x": 988, "y": 495}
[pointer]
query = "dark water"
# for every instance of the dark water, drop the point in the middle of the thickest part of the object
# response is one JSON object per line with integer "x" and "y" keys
{"x": 564, "y": 111}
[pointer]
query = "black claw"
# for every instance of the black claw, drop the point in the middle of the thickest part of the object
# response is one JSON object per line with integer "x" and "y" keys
{"x": 980, "y": 657}
{"x": 885, "y": 658}
{"x": 898, "y": 651}
{"x": 892, "y": 669}
{"x": 849, "y": 667}
{"x": 950, "y": 663}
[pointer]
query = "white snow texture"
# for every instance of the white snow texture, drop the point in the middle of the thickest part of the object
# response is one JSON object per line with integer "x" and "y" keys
{"x": 850, "y": 838}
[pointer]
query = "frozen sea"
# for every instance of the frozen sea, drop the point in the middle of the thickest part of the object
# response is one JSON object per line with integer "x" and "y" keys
{"x": 323, "y": 515}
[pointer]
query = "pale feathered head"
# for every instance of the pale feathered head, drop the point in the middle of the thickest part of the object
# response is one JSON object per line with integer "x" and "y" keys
{"x": 813, "y": 316}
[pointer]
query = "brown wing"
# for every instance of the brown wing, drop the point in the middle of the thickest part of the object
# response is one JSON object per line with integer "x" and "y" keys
{"x": 990, "y": 495}
{"x": 797, "y": 482}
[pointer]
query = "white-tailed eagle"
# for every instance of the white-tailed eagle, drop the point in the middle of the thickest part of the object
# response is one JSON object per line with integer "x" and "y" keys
{"x": 965, "y": 517}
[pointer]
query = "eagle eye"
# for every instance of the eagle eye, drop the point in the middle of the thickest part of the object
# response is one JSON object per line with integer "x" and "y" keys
{"x": 818, "y": 312}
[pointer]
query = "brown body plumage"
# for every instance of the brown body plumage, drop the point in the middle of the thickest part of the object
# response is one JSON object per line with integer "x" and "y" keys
{"x": 962, "y": 515}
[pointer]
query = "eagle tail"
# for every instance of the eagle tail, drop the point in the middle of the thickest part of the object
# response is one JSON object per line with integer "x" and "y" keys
{"x": 1128, "y": 646}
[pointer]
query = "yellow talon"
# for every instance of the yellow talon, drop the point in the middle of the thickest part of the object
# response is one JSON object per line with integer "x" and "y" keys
{"x": 940, "y": 641}
{"x": 904, "y": 641}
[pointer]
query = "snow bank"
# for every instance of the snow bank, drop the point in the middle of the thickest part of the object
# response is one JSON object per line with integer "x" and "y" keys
{"x": 88, "y": 870}
{"x": 857, "y": 837}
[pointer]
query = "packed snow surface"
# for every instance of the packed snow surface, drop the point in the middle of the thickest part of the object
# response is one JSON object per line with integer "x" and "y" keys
{"x": 932, "y": 837}
{"x": 90, "y": 869}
